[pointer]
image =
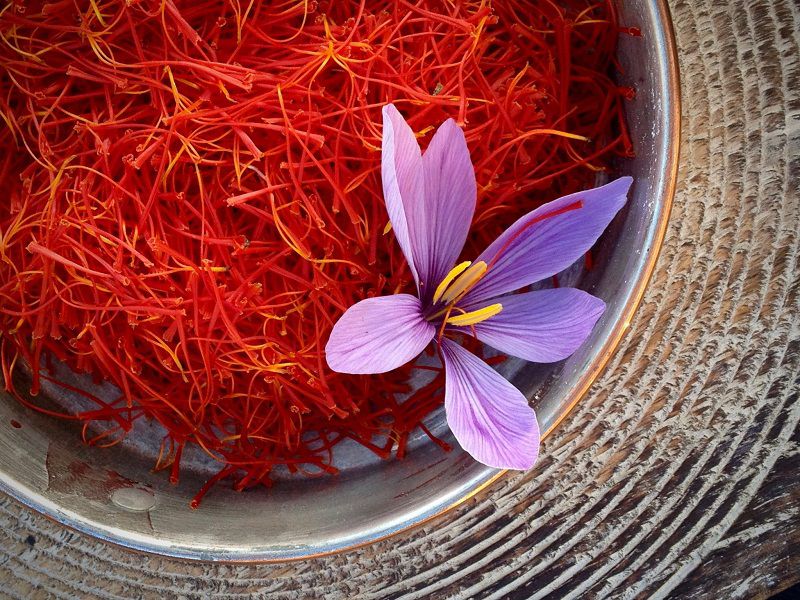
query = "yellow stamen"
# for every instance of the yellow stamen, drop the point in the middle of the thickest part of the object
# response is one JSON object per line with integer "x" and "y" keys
{"x": 475, "y": 316}
{"x": 388, "y": 227}
{"x": 464, "y": 282}
{"x": 454, "y": 272}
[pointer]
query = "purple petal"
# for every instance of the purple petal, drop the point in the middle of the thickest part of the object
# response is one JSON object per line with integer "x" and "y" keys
{"x": 403, "y": 181}
{"x": 538, "y": 246}
{"x": 430, "y": 199}
{"x": 543, "y": 326}
{"x": 490, "y": 418}
{"x": 377, "y": 335}
{"x": 441, "y": 225}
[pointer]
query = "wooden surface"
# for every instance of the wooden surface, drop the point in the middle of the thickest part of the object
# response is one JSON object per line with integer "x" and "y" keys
{"x": 678, "y": 474}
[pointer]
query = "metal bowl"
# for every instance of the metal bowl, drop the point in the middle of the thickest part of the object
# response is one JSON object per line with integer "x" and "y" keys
{"x": 113, "y": 495}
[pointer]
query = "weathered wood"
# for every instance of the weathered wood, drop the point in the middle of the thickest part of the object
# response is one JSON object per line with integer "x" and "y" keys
{"x": 677, "y": 476}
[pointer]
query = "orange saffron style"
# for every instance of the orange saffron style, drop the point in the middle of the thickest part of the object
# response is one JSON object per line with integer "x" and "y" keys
{"x": 192, "y": 198}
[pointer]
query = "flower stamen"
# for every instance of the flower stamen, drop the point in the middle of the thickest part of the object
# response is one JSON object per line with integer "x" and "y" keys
{"x": 464, "y": 282}
{"x": 475, "y": 316}
{"x": 454, "y": 272}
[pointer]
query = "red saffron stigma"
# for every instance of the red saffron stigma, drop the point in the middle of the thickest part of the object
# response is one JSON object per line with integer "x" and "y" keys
{"x": 193, "y": 197}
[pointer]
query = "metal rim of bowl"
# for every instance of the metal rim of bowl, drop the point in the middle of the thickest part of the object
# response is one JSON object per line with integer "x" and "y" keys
{"x": 670, "y": 88}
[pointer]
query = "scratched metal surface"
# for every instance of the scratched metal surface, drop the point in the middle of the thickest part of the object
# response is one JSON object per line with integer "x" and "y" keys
{"x": 676, "y": 476}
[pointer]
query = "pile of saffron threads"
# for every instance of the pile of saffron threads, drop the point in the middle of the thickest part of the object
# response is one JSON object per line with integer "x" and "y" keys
{"x": 192, "y": 197}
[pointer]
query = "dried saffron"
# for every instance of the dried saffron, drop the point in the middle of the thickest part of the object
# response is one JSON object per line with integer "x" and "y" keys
{"x": 194, "y": 198}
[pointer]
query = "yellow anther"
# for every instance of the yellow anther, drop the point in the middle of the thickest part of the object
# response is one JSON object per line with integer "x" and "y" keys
{"x": 464, "y": 282}
{"x": 454, "y": 272}
{"x": 388, "y": 227}
{"x": 475, "y": 316}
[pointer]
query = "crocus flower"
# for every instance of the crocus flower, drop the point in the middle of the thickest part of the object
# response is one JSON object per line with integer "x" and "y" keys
{"x": 430, "y": 199}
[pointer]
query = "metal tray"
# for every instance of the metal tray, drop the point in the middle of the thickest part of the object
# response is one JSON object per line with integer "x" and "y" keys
{"x": 113, "y": 495}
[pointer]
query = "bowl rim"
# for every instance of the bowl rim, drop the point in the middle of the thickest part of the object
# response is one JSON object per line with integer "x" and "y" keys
{"x": 667, "y": 51}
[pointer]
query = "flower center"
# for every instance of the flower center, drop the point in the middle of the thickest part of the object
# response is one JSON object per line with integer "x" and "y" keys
{"x": 460, "y": 280}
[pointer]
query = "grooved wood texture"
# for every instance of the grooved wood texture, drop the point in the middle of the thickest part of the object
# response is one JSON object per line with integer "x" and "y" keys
{"x": 677, "y": 475}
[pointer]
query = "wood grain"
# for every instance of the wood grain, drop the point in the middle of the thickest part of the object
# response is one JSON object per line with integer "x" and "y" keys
{"x": 677, "y": 475}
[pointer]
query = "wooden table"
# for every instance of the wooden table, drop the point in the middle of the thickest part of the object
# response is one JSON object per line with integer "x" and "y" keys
{"x": 678, "y": 474}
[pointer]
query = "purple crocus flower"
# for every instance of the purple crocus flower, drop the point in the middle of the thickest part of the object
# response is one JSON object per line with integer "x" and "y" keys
{"x": 430, "y": 199}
